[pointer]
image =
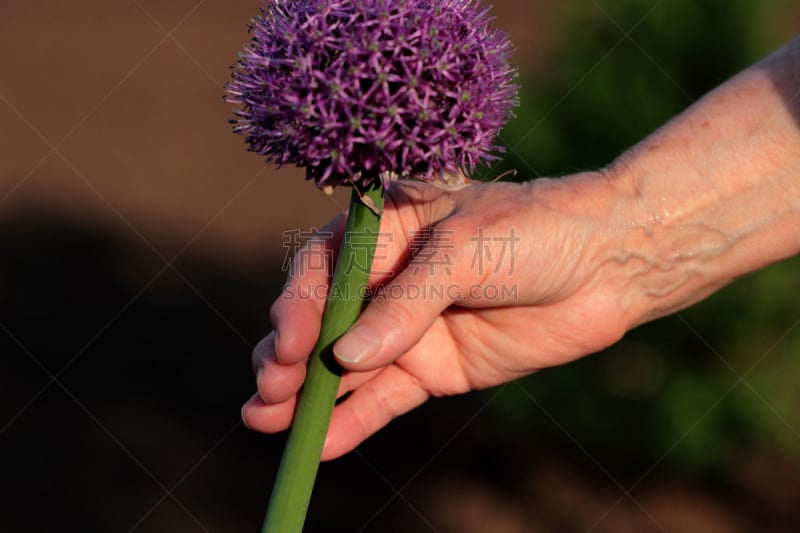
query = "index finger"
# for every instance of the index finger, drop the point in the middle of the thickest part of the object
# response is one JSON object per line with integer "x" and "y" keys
{"x": 296, "y": 314}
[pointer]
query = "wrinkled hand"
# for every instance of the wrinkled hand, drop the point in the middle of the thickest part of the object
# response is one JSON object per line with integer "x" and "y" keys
{"x": 710, "y": 196}
{"x": 506, "y": 285}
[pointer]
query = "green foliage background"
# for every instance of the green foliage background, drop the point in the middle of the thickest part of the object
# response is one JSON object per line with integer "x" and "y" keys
{"x": 691, "y": 391}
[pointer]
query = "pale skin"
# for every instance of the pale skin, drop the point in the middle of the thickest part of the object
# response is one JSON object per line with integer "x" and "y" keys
{"x": 712, "y": 195}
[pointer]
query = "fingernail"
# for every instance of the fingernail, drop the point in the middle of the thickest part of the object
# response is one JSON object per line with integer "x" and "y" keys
{"x": 357, "y": 345}
{"x": 243, "y": 414}
{"x": 275, "y": 340}
{"x": 259, "y": 373}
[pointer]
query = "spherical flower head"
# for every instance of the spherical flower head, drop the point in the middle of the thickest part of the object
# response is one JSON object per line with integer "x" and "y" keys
{"x": 361, "y": 90}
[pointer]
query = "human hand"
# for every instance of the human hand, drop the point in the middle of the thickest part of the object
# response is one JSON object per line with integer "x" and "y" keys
{"x": 506, "y": 284}
{"x": 711, "y": 196}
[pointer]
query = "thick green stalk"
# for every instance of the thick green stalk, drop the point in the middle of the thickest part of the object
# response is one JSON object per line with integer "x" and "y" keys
{"x": 298, "y": 469}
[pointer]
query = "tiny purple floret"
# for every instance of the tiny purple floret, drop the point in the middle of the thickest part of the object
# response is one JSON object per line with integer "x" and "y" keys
{"x": 360, "y": 90}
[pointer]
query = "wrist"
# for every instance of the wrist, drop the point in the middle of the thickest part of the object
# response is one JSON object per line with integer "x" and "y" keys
{"x": 712, "y": 195}
{"x": 659, "y": 249}
{"x": 679, "y": 231}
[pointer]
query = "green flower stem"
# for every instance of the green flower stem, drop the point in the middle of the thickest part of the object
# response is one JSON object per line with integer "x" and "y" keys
{"x": 298, "y": 469}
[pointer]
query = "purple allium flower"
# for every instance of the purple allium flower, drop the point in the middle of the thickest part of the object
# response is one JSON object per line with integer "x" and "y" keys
{"x": 356, "y": 90}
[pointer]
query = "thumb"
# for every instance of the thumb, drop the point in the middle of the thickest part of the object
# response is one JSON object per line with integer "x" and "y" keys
{"x": 395, "y": 320}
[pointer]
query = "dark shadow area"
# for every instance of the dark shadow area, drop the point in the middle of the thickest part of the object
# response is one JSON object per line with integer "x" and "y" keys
{"x": 787, "y": 80}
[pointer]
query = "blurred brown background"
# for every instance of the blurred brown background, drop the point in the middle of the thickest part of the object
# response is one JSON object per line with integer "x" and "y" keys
{"x": 141, "y": 246}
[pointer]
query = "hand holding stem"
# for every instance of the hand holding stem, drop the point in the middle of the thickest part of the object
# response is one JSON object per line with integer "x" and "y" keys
{"x": 711, "y": 196}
